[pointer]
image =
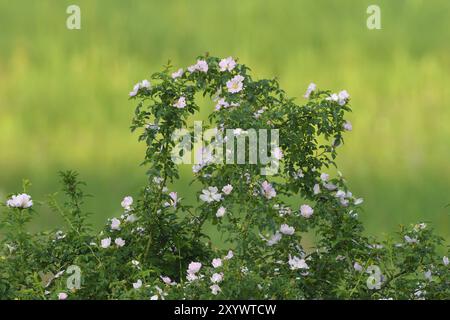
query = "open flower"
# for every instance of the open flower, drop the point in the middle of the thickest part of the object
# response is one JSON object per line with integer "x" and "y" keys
{"x": 119, "y": 242}
{"x": 268, "y": 190}
{"x": 306, "y": 211}
{"x": 22, "y": 201}
{"x": 181, "y": 103}
{"x": 227, "y": 189}
{"x": 201, "y": 66}
{"x": 177, "y": 73}
{"x": 215, "y": 289}
{"x": 220, "y": 212}
{"x": 210, "y": 195}
{"x": 235, "y": 84}
{"x": 217, "y": 277}
{"x": 348, "y": 126}
{"x": 216, "y": 263}
{"x": 445, "y": 260}
{"x": 286, "y": 229}
{"x": 297, "y": 263}
{"x": 126, "y": 203}
{"x": 115, "y": 224}
{"x": 227, "y": 64}
{"x": 194, "y": 267}
{"x": 62, "y": 296}
{"x": 105, "y": 243}
{"x": 343, "y": 97}
{"x": 143, "y": 84}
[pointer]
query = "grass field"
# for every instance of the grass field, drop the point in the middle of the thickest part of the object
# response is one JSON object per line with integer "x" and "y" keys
{"x": 63, "y": 93}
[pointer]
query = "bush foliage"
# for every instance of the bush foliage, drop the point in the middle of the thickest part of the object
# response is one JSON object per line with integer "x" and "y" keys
{"x": 158, "y": 248}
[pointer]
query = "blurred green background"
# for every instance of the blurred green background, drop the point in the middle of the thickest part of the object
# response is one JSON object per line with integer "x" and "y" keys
{"x": 64, "y": 103}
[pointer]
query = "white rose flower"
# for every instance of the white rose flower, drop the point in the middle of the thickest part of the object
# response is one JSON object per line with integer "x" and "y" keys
{"x": 227, "y": 64}
{"x": 306, "y": 211}
{"x": 227, "y": 189}
{"x": 105, "y": 243}
{"x": 119, "y": 242}
{"x": 126, "y": 203}
{"x": 286, "y": 229}
{"x": 115, "y": 224}
{"x": 181, "y": 103}
{"x": 22, "y": 201}
{"x": 235, "y": 84}
{"x": 217, "y": 262}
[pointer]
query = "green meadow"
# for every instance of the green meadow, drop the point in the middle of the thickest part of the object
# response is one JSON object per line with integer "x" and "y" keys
{"x": 64, "y": 93}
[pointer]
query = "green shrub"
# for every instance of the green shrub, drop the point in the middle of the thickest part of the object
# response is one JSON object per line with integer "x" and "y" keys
{"x": 158, "y": 249}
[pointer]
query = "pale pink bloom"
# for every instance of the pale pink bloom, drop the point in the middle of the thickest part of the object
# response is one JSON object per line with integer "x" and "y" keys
{"x": 215, "y": 289}
{"x": 227, "y": 189}
{"x": 145, "y": 84}
{"x": 220, "y": 212}
{"x": 119, "y": 242}
{"x": 348, "y": 126}
{"x": 168, "y": 281}
{"x": 333, "y": 97}
{"x": 324, "y": 177}
{"x": 340, "y": 194}
{"x": 202, "y": 66}
{"x": 115, "y": 224}
{"x": 174, "y": 197}
{"x": 306, "y": 211}
{"x": 277, "y": 153}
{"x": 286, "y": 229}
{"x": 312, "y": 87}
{"x": 268, "y": 191}
{"x": 297, "y": 263}
{"x": 210, "y": 195}
{"x": 222, "y": 103}
{"x": 181, "y": 103}
{"x": 343, "y": 97}
{"x": 227, "y": 64}
{"x": 194, "y": 267}
{"x": 235, "y": 84}
{"x": 191, "y": 277}
{"x": 217, "y": 262}
{"x": 126, "y": 203}
{"x": 22, "y": 201}
{"x": 445, "y": 260}
{"x": 330, "y": 186}
{"x": 217, "y": 277}
{"x": 105, "y": 243}
{"x": 229, "y": 255}
{"x": 177, "y": 73}
{"x": 62, "y": 296}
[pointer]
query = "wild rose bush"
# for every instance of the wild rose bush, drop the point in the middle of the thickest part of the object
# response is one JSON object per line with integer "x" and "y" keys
{"x": 157, "y": 249}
